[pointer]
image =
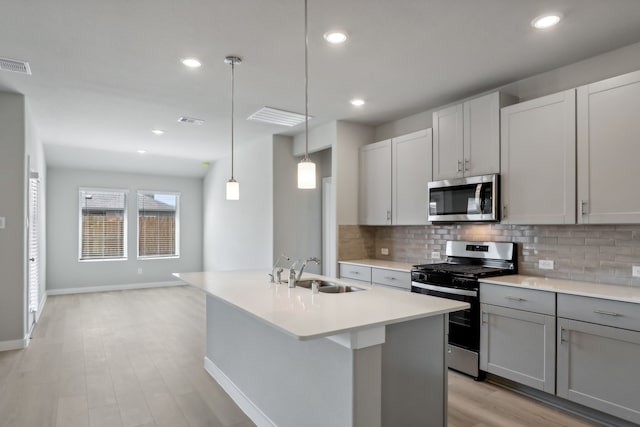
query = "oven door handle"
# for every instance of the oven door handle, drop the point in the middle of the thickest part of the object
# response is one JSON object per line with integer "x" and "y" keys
{"x": 445, "y": 290}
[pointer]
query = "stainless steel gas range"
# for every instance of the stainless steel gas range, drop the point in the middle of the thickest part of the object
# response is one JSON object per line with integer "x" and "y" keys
{"x": 458, "y": 279}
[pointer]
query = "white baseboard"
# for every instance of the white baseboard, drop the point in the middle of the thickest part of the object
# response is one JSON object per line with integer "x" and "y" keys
{"x": 108, "y": 288}
{"x": 14, "y": 344}
{"x": 245, "y": 404}
{"x": 43, "y": 301}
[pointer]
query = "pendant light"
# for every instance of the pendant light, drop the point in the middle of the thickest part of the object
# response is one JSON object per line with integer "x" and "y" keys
{"x": 306, "y": 168}
{"x": 233, "y": 187}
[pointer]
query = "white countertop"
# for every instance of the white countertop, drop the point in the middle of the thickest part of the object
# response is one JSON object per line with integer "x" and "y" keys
{"x": 380, "y": 263}
{"x": 305, "y": 315}
{"x": 571, "y": 287}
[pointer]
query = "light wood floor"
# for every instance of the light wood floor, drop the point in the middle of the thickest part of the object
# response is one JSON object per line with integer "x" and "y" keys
{"x": 135, "y": 358}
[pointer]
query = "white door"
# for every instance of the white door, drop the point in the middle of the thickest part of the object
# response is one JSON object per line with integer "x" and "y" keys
{"x": 329, "y": 260}
{"x": 34, "y": 252}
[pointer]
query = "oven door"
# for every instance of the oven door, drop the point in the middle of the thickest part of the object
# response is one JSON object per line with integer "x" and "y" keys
{"x": 464, "y": 325}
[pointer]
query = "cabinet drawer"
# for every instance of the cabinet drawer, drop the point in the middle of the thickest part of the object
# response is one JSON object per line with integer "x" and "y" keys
{"x": 518, "y": 298}
{"x": 398, "y": 279}
{"x": 601, "y": 311}
{"x": 358, "y": 272}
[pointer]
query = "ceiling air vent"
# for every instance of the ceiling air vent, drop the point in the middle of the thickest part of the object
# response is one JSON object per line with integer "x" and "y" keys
{"x": 190, "y": 120}
{"x": 14, "y": 65}
{"x": 277, "y": 117}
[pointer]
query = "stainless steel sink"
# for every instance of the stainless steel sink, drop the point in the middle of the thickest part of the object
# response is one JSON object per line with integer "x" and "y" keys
{"x": 340, "y": 289}
{"x": 307, "y": 283}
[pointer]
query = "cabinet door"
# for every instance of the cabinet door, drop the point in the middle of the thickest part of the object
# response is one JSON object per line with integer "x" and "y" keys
{"x": 375, "y": 184}
{"x": 482, "y": 135}
{"x": 519, "y": 345}
{"x": 538, "y": 161}
{"x": 447, "y": 143}
{"x": 598, "y": 367}
{"x": 411, "y": 172}
{"x": 608, "y": 151}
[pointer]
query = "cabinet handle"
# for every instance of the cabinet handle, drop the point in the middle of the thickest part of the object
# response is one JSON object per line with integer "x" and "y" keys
{"x": 390, "y": 278}
{"x": 607, "y": 313}
{"x": 467, "y": 164}
{"x": 388, "y": 215}
{"x": 583, "y": 207}
{"x": 504, "y": 211}
{"x": 484, "y": 318}
{"x": 354, "y": 272}
{"x": 459, "y": 165}
{"x": 515, "y": 298}
{"x": 562, "y": 339}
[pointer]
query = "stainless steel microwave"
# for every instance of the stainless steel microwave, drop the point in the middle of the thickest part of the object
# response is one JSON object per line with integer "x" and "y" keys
{"x": 474, "y": 198}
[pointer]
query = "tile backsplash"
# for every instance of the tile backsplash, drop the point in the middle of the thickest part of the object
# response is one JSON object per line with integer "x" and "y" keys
{"x": 593, "y": 253}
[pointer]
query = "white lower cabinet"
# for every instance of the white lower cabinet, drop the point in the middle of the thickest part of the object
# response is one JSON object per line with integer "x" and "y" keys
{"x": 517, "y": 344}
{"x": 598, "y": 363}
{"x": 376, "y": 276}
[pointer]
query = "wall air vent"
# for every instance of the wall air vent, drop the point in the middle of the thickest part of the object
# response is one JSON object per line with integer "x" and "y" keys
{"x": 14, "y": 65}
{"x": 277, "y": 117}
{"x": 190, "y": 120}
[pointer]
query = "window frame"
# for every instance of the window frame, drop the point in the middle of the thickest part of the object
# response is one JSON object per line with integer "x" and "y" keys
{"x": 125, "y": 224}
{"x": 176, "y": 254}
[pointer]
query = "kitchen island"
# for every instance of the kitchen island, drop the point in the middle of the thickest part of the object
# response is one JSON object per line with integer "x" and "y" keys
{"x": 289, "y": 357}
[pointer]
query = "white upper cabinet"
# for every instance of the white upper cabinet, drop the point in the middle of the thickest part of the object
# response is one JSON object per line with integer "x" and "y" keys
{"x": 375, "y": 183}
{"x": 466, "y": 137}
{"x": 393, "y": 180}
{"x": 538, "y": 161}
{"x": 411, "y": 157}
{"x": 608, "y": 151}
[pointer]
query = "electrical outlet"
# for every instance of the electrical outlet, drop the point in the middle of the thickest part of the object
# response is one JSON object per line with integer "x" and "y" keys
{"x": 435, "y": 255}
{"x": 140, "y": 271}
{"x": 545, "y": 264}
{"x": 2, "y": 222}
{"x": 635, "y": 271}
{"x": 384, "y": 251}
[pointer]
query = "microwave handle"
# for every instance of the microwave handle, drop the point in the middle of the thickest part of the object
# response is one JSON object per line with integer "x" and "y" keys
{"x": 479, "y": 201}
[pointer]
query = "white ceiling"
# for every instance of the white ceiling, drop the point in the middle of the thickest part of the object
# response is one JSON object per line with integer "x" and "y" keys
{"x": 106, "y": 72}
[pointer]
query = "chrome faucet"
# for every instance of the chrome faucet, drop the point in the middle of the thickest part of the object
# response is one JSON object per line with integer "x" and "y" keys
{"x": 304, "y": 264}
{"x": 276, "y": 272}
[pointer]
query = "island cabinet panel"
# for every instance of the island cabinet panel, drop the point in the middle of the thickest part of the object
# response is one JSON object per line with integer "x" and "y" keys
{"x": 538, "y": 160}
{"x": 598, "y": 367}
{"x": 608, "y": 151}
{"x": 518, "y": 335}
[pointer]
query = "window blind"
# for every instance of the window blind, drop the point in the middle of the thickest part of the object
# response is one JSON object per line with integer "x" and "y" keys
{"x": 103, "y": 223}
{"x": 157, "y": 224}
{"x": 34, "y": 245}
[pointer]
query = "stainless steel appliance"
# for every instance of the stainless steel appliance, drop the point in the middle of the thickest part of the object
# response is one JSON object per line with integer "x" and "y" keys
{"x": 474, "y": 198}
{"x": 457, "y": 279}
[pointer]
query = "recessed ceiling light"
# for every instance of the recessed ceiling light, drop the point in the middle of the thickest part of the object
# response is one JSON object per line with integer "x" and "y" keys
{"x": 142, "y": 151}
{"x": 335, "y": 37}
{"x": 157, "y": 131}
{"x": 357, "y": 102}
{"x": 546, "y": 21}
{"x": 191, "y": 62}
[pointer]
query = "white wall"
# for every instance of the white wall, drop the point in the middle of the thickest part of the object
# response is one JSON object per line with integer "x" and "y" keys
{"x": 65, "y": 272}
{"x": 609, "y": 64}
{"x": 297, "y": 218}
{"x": 239, "y": 234}
{"x": 320, "y": 138}
{"x": 12, "y": 207}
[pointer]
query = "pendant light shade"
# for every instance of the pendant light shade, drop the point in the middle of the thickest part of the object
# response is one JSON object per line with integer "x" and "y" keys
{"x": 233, "y": 190}
{"x": 306, "y": 168}
{"x": 306, "y": 174}
{"x": 233, "y": 187}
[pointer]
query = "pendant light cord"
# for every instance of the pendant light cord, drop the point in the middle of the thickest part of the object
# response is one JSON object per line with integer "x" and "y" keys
{"x": 233, "y": 63}
{"x": 306, "y": 85}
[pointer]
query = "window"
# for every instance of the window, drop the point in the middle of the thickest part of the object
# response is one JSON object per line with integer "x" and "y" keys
{"x": 103, "y": 224}
{"x": 158, "y": 224}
